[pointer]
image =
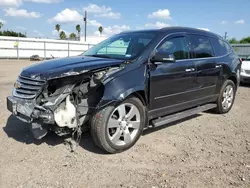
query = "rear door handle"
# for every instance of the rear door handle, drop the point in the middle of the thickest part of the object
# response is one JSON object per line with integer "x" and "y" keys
{"x": 190, "y": 70}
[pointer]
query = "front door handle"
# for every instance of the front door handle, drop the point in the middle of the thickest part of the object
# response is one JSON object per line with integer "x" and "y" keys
{"x": 190, "y": 70}
{"x": 218, "y": 66}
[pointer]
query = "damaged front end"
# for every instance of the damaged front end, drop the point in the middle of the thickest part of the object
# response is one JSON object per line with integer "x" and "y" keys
{"x": 63, "y": 104}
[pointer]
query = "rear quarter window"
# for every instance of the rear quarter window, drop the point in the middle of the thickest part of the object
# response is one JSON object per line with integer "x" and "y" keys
{"x": 221, "y": 47}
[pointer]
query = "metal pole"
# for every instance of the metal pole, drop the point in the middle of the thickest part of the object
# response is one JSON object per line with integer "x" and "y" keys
{"x": 44, "y": 50}
{"x": 68, "y": 49}
{"x": 17, "y": 52}
{"x": 18, "y": 45}
{"x": 225, "y": 35}
{"x": 85, "y": 24}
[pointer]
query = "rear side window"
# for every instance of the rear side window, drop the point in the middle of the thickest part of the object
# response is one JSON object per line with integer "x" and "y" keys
{"x": 200, "y": 46}
{"x": 176, "y": 46}
{"x": 228, "y": 47}
{"x": 220, "y": 47}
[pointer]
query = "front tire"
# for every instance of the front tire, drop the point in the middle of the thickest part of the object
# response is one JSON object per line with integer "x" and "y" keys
{"x": 226, "y": 97}
{"x": 117, "y": 128}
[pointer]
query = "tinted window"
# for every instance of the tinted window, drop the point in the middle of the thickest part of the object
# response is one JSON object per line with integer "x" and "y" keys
{"x": 118, "y": 47}
{"x": 220, "y": 47}
{"x": 123, "y": 46}
{"x": 228, "y": 47}
{"x": 200, "y": 46}
{"x": 145, "y": 41}
{"x": 176, "y": 46}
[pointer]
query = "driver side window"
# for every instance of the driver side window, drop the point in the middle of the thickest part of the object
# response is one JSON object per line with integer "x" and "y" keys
{"x": 176, "y": 46}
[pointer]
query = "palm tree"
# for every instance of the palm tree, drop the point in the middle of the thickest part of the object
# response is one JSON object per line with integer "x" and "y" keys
{"x": 72, "y": 36}
{"x": 58, "y": 28}
{"x": 63, "y": 35}
{"x": 100, "y": 29}
{"x": 78, "y": 28}
{"x": 1, "y": 25}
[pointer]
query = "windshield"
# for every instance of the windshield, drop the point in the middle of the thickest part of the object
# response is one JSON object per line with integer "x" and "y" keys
{"x": 124, "y": 46}
{"x": 248, "y": 58}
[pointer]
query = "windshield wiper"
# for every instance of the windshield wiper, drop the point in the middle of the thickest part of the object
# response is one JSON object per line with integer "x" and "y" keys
{"x": 100, "y": 55}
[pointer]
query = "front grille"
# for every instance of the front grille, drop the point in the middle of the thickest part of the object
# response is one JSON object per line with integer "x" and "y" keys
{"x": 247, "y": 71}
{"x": 28, "y": 88}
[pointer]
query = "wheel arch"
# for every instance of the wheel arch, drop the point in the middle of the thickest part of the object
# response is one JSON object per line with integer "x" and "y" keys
{"x": 140, "y": 94}
{"x": 235, "y": 79}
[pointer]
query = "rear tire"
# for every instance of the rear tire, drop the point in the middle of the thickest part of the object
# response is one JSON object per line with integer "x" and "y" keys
{"x": 226, "y": 97}
{"x": 117, "y": 128}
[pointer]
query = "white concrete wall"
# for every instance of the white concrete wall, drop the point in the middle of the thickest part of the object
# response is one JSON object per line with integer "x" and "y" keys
{"x": 32, "y": 46}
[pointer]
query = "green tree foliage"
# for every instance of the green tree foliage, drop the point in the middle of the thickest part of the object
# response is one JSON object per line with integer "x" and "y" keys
{"x": 245, "y": 40}
{"x": 78, "y": 28}
{"x": 1, "y": 25}
{"x": 58, "y": 28}
{"x": 72, "y": 36}
{"x": 100, "y": 29}
{"x": 63, "y": 35}
{"x": 233, "y": 41}
{"x": 11, "y": 34}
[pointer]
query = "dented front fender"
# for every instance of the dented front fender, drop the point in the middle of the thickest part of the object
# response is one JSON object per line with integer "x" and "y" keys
{"x": 124, "y": 84}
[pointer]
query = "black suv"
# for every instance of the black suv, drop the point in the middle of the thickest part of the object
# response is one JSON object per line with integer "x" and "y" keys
{"x": 126, "y": 83}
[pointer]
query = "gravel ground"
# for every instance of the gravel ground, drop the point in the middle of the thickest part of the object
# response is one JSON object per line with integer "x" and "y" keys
{"x": 207, "y": 150}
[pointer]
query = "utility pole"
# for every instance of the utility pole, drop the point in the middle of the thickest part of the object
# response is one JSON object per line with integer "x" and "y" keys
{"x": 85, "y": 25}
{"x": 225, "y": 36}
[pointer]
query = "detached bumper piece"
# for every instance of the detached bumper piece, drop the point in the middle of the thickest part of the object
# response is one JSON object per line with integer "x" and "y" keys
{"x": 38, "y": 131}
{"x": 27, "y": 111}
{"x": 18, "y": 109}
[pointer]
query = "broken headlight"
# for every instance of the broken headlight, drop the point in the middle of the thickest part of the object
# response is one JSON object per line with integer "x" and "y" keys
{"x": 99, "y": 75}
{"x": 106, "y": 73}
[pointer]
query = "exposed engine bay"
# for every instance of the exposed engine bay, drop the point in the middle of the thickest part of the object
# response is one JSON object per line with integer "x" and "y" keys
{"x": 64, "y": 104}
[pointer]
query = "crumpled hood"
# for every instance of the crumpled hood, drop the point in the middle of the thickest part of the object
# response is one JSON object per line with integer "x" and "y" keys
{"x": 67, "y": 66}
{"x": 246, "y": 65}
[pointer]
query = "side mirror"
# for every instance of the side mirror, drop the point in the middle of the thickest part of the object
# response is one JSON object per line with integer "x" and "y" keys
{"x": 163, "y": 57}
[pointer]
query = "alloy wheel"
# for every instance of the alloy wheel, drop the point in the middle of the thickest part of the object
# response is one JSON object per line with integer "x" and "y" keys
{"x": 123, "y": 124}
{"x": 228, "y": 96}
